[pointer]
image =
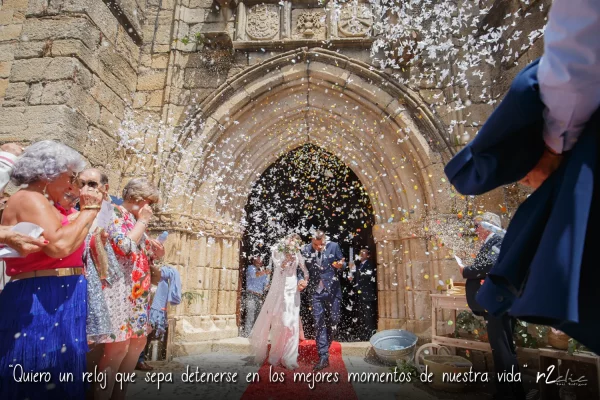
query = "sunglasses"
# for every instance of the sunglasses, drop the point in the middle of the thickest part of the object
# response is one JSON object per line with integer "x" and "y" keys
{"x": 91, "y": 184}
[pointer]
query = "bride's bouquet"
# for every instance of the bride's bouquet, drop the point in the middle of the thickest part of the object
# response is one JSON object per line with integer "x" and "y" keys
{"x": 290, "y": 245}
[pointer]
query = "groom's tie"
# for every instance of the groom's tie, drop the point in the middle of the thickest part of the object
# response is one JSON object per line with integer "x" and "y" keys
{"x": 320, "y": 262}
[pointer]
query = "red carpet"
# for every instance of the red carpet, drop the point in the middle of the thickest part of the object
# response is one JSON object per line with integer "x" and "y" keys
{"x": 300, "y": 390}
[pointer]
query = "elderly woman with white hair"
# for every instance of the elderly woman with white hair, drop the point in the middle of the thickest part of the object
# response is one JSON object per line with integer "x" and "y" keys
{"x": 488, "y": 228}
{"x": 43, "y": 324}
{"x": 135, "y": 252}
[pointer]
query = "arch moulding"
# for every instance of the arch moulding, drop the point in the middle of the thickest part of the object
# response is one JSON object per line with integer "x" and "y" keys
{"x": 382, "y": 130}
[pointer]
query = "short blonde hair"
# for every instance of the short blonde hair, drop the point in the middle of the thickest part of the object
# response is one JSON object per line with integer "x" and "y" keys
{"x": 139, "y": 189}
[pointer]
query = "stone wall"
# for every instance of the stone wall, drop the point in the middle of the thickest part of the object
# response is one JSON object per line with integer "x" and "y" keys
{"x": 209, "y": 271}
{"x": 12, "y": 16}
{"x": 173, "y": 74}
{"x": 69, "y": 72}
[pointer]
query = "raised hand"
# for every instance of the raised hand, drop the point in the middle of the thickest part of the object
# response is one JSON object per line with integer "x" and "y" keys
{"x": 90, "y": 197}
{"x": 157, "y": 248}
{"x": 12, "y": 148}
{"x": 338, "y": 264}
{"x": 145, "y": 213}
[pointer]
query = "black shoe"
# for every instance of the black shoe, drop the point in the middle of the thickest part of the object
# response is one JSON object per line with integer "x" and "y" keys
{"x": 322, "y": 364}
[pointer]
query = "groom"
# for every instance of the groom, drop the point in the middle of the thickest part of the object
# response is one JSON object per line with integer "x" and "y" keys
{"x": 324, "y": 262}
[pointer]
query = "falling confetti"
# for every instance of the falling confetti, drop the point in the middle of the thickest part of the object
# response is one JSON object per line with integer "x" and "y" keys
{"x": 306, "y": 189}
{"x": 442, "y": 45}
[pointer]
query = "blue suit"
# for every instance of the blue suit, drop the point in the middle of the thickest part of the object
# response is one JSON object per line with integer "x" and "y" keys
{"x": 509, "y": 144}
{"x": 326, "y": 302}
{"x": 547, "y": 271}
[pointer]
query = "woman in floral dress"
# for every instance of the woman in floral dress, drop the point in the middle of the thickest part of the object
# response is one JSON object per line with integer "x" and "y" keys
{"x": 135, "y": 252}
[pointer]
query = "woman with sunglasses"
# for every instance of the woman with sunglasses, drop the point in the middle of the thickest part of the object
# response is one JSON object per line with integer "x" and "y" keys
{"x": 43, "y": 324}
{"x": 107, "y": 290}
{"x": 135, "y": 252}
{"x": 109, "y": 307}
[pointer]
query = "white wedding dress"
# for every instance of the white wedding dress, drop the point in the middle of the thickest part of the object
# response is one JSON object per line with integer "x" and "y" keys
{"x": 279, "y": 316}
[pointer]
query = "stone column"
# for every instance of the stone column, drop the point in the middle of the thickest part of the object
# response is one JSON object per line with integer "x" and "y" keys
{"x": 405, "y": 277}
{"x": 209, "y": 268}
{"x": 390, "y": 276}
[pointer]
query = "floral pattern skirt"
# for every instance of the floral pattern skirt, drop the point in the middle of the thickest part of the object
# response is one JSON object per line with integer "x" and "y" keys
{"x": 139, "y": 298}
{"x": 127, "y": 301}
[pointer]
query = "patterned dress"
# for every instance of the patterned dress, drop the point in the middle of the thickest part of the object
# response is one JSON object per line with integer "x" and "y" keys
{"x": 108, "y": 303}
{"x": 134, "y": 259}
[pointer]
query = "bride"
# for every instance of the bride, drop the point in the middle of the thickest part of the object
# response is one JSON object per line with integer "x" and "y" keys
{"x": 280, "y": 314}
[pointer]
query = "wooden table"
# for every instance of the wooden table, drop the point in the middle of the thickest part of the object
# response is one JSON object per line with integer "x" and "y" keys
{"x": 456, "y": 300}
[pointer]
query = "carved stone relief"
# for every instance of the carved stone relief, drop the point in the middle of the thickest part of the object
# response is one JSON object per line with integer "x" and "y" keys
{"x": 274, "y": 22}
{"x": 196, "y": 225}
{"x": 309, "y": 24}
{"x": 355, "y": 20}
{"x": 263, "y": 22}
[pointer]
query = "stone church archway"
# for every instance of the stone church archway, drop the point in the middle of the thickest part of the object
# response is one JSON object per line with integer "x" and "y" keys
{"x": 383, "y": 131}
{"x": 305, "y": 189}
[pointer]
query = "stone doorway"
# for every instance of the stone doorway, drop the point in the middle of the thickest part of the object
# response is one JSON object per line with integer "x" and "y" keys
{"x": 382, "y": 131}
{"x": 305, "y": 189}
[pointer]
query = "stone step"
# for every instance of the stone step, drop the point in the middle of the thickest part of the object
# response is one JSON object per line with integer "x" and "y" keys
{"x": 232, "y": 345}
{"x": 241, "y": 345}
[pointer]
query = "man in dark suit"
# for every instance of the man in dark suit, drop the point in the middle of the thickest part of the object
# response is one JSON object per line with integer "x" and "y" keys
{"x": 500, "y": 329}
{"x": 324, "y": 261}
{"x": 547, "y": 271}
{"x": 364, "y": 287}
